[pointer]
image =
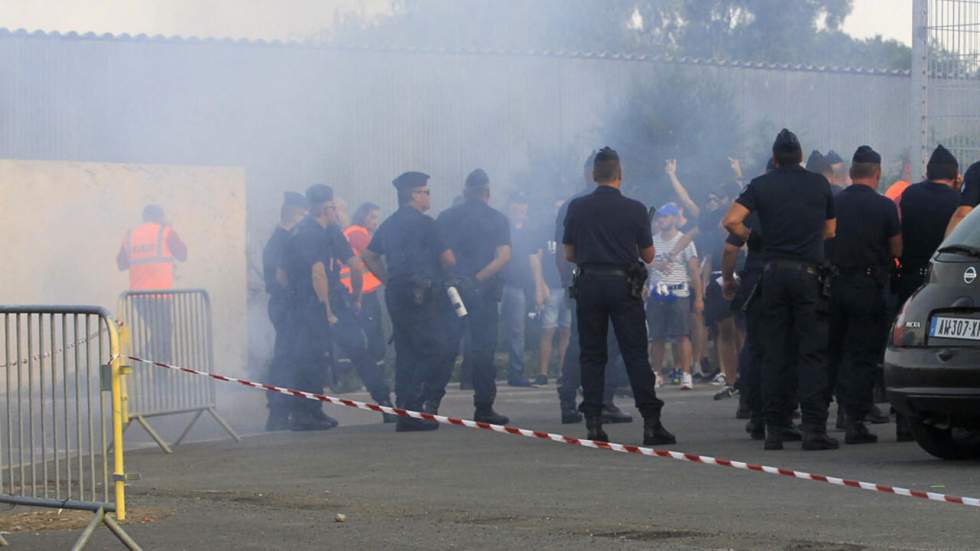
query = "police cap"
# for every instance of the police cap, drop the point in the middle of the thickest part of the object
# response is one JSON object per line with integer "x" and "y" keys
{"x": 818, "y": 163}
{"x": 410, "y": 180}
{"x": 865, "y": 154}
{"x": 293, "y": 199}
{"x": 942, "y": 165}
{"x": 605, "y": 154}
{"x": 477, "y": 178}
{"x": 318, "y": 194}
{"x": 833, "y": 158}
{"x": 786, "y": 142}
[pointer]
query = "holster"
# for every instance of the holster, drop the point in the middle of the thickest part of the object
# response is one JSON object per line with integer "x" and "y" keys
{"x": 754, "y": 295}
{"x": 636, "y": 279}
{"x": 573, "y": 287}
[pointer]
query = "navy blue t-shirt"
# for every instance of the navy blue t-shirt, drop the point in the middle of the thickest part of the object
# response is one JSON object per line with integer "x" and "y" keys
{"x": 926, "y": 209}
{"x": 410, "y": 244}
{"x": 473, "y": 230}
{"x": 605, "y": 227}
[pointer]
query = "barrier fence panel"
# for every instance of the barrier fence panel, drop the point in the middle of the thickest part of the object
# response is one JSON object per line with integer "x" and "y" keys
{"x": 61, "y": 407}
{"x": 171, "y": 326}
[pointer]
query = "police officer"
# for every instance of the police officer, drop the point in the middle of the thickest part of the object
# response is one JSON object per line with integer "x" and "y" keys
{"x": 410, "y": 258}
{"x": 605, "y": 236}
{"x": 293, "y": 210}
{"x": 796, "y": 213}
{"x": 868, "y": 238}
{"x": 479, "y": 237}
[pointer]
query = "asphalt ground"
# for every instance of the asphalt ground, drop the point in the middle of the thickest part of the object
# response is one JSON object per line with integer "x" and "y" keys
{"x": 459, "y": 488}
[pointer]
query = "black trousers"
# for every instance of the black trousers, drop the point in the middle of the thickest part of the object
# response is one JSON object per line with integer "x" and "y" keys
{"x": 603, "y": 299}
{"x": 571, "y": 372}
{"x": 478, "y": 331}
{"x": 279, "y": 364}
{"x": 421, "y": 344}
{"x": 751, "y": 358}
{"x": 858, "y": 331}
{"x": 370, "y": 320}
{"x": 348, "y": 336}
{"x": 307, "y": 341}
{"x": 790, "y": 299}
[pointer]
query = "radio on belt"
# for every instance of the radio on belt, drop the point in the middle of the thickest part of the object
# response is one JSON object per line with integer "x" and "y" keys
{"x": 456, "y": 301}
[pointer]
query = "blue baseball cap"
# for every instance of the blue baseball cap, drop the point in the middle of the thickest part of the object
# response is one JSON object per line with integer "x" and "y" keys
{"x": 669, "y": 209}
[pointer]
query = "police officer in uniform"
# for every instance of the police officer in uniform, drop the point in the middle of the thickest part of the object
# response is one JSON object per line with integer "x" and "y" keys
{"x": 479, "y": 237}
{"x": 410, "y": 258}
{"x": 605, "y": 236}
{"x": 868, "y": 238}
{"x": 293, "y": 210}
{"x": 796, "y": 213}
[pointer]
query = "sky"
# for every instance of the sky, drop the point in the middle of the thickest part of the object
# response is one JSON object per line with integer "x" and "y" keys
{"x": 268, "y": 19}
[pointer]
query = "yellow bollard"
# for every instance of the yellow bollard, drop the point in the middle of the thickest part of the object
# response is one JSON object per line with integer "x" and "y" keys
{"x": 118, "y": 412}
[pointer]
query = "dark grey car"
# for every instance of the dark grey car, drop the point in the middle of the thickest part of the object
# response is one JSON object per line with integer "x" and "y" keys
{"x": 932, "y": 363}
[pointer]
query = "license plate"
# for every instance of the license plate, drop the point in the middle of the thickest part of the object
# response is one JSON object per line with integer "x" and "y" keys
{"x": 955, "y": 328}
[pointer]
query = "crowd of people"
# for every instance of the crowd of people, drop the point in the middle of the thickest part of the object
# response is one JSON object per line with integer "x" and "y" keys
{"x": 794, "y": 277}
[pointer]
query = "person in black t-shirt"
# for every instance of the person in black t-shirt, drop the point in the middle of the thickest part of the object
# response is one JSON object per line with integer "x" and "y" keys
{"x": 605, "y": 236}
{"x": 926, "y": 210}
{"x": 969, "y": 196}
{"x": 868, "y": 238}
{"x": 796, "y": 212}
{"x": 293, "y": 210}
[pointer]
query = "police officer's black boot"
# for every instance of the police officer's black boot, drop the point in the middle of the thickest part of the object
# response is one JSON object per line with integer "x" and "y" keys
{"x": 756, "y": 429}
{"x": 278, "y": 420}
{"x": 816, "y": 439}
{"x": 410, "y": 424}
{"x": 857, "y": 432}
{"x": 569, "y": 415}
{"x": 612, "y": 414}
{"x": 387, "y": 417}
{"x": 486, "y": 414}
{"x": 654, "y": 433}
{"x": 307, "y": 420}
{"x": 594, "y": 427}
{"x": 744, "y": 410}
{"x": 774, "y": 437}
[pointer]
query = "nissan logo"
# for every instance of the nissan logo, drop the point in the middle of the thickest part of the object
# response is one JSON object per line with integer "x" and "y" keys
{"x": 969, "y": 275}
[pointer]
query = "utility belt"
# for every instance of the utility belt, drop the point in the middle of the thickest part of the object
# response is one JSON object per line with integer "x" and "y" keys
{"x": 879, "y": 274}
{"x": 824, "y": 273}
{"x": 635, "y": 275}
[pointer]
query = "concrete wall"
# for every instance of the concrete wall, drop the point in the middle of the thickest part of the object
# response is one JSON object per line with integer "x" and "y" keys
{"x": 62, "y": 224}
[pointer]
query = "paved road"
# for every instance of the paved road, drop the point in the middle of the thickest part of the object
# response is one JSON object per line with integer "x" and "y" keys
{"x": 463, "y": 489}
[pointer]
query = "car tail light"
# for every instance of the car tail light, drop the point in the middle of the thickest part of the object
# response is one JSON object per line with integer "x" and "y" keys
{"x": 898, "y": 330}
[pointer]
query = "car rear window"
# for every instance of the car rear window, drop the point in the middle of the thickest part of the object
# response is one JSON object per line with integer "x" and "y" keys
{"x": 967, "y": 232}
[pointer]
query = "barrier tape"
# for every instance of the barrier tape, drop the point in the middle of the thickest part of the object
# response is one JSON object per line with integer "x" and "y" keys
{"x": 622, "y": 448}
{"x": 38, "y": 357}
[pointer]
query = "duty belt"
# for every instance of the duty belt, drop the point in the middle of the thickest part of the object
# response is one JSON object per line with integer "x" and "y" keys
{"x": 870, "y": 271}
{"x": 794, "y": 265}
{"x": 603, "y": 269}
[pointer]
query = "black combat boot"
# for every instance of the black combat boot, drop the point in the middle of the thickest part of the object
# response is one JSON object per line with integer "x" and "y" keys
{"x": 594, "y": 427}
{"x": 569, "y": 415}
{"x": 791, "y": 433}
{"x": 756, "y": 429}
{"x": 278, "y": 420}
{"x": 305, "y": 420}
{"x": 815, "y": 439}
{"x": 654, "y": 433}
{"x": 322, "y": 417}
{"x": 858, "y": 433}
{"x": 486, "y": 414}
{"x": 408, "y": 424}
{"x": 387, "y": 417}
{"x": 612, "y": 414}
{"x": 744, "y": 410}
{"x": 774, "y": 437}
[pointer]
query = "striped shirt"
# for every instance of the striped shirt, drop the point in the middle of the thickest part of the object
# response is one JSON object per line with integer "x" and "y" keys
{"x": 676, "y": 272}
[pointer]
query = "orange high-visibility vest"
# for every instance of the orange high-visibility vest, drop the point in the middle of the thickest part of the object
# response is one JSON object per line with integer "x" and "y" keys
{"x": 151, "y": 264}
{"x": 371, "y": 283}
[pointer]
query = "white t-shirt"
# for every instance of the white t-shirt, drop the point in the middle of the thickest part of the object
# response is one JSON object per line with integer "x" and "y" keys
{"x": 676, "y": 272}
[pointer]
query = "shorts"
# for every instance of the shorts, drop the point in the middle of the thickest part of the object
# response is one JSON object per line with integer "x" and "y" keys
{"x": 669, "y": 318}
{"x": 716, "y": 308}
{"x": 556, "y": 311}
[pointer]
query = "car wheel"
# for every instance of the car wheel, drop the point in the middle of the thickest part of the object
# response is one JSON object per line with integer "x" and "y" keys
{"x": 953, "y": 443}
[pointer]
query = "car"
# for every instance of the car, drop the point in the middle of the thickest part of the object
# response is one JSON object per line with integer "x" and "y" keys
{"x": 932, "y": 360}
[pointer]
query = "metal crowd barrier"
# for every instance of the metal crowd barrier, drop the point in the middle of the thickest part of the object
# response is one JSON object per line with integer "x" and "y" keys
{"x": 174, "y": 327}
{"x": 61, "y": 407}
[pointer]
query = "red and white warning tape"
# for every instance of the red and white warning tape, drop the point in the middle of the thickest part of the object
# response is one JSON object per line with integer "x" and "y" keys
{"x": 622, "y": 448}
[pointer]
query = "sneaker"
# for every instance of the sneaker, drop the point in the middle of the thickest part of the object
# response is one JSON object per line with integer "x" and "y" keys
{"x": 687, "y": 382}
{"x": 726, "y": 392}
{"x": 541, "y": 380}
{"x": 675, "y": 376}
{"x": 720, "y": 380}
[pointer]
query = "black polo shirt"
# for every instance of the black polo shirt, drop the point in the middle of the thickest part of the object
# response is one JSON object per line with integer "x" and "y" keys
{"x": 926, "y": 209}
{"x": 311, "y": 243}
{"x": 410, "y": 244}
{"x": 866, "y": 221}
{"x": 970, "y": 197}
{"x": 793, "y": 206}
{"x": 473, "y": 230}
{"x": 607, "y": 228}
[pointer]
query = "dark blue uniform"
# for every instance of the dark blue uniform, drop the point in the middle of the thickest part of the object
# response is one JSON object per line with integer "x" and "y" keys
{"x": 415, "y": 297}
{"x": 272, "y": 260}
{"x": 748, "y": 299}
{"x": 926, "y": 209}
{"x": 866, "y": 221}
{"x": 607, "y": 232}
{"x": 474, "y": 230}
{"x": 793, "y": 206}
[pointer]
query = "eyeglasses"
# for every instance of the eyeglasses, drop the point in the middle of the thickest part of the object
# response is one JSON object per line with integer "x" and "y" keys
{"x": 425, "y": 191}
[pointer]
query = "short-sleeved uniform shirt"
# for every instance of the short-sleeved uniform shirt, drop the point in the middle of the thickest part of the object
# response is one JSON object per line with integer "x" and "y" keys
{"x": 605, "y": 227}
{"x": 272, "y": 256}
{"x": 473, "y": 230}
{"x": 970, "y": 197}
{"x": 309, "y": 244}
{"x": 793, "y": 206}
{"x": 676, "y": 271}
{"x": 410, "y": 244}
{"x": 866, "y": 221}
{"x": 926, "y": 209}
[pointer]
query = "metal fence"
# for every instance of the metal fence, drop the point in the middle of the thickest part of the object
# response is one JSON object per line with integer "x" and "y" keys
{"x": 174, "y": 327}
{"x": 61, "y": 407}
